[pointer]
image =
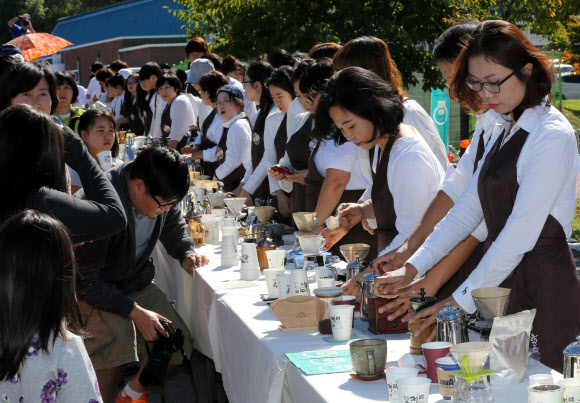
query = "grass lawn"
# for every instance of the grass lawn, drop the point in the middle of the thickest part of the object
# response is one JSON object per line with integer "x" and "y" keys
{"x": 571, "y": 109}
{"x": 576, "y": 222}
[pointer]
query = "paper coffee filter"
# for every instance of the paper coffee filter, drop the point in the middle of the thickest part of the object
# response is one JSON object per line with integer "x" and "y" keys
{"x": 476, "y": 353}
{"x": 304, "y": 221}
{"x": 491, "y": 301}
{"x": 235, "y": 203}
{"x": 354, "y": 250}
{"x": 264, "y": 213}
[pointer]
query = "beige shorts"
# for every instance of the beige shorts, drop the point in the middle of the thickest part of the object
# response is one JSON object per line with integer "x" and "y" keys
{"x": 112, "y": 340}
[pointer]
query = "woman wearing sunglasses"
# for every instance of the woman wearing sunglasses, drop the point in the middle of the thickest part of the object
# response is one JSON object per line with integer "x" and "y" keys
{"x": 523, "y": 189}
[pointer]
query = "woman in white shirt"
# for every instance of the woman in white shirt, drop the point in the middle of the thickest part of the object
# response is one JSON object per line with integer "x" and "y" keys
{"x": 525, "y": 197}
{"x": 357, "y": 105}
{"x": 275, "y": 137}
{"x": 43, "y": 356}
{"x": 116, "y": 89}
{"x": 233, "y": 152}
{"x": 177, "y": 117}
{"x": 255, "y": 86}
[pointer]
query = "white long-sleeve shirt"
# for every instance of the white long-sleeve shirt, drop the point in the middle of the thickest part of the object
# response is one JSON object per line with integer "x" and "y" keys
{"x": 250, "y": 171}
{"x": 181, "y": 117}
{"x": 214, "y": 134}
{"x": 272, "y": 125}
{"x": 343, "y": 157}
{"x": 546, "y": 175}
{"x": 94, "y": 88}
{"x": 157, "y": 105}
{"x": 116, "y": 105}
{"x": 238, "y": 144}
{"x": 293, "y": 125}
{"x": 414, "y": 176}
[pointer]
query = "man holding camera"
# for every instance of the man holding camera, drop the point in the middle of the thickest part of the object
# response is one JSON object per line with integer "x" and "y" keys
{"x": 17, "y": 30}
{"x": 115, "y": 289}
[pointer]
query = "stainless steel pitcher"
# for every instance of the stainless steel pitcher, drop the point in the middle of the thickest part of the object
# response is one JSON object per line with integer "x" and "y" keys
{"x": 451, "y": 325}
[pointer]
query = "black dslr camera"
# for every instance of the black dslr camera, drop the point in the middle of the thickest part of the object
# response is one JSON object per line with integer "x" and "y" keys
{"x": 159, "y": 357}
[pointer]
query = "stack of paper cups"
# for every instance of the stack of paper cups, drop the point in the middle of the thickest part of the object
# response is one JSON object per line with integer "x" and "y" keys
{"x": 229, "y": 253}
{"x": 249, "y": 266}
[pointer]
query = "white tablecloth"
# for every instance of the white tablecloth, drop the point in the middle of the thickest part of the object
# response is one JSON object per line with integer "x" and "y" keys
{"x": 236, "y": 329}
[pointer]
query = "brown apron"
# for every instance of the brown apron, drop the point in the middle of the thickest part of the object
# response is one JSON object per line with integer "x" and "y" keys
{"x": 357, "y": 234}
{"x": 135, "y": 124}
{"x": 473, "y": 260}
{"x": 205, "y": 144}
{"x": 232, "y": 181}
{"x": 546, "y": 278}
{"x": 383, "y": 203}
{"x": 148, "y": 112}
{"x": 298, "y": 151}
{"x": 263, "y": 190}
{"x": 166, "y": 127}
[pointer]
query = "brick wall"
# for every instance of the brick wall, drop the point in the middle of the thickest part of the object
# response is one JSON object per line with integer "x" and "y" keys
{"x": 108, "y": 51}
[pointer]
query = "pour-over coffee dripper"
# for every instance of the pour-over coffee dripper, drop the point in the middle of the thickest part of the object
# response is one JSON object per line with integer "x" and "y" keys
{"x": 236, "y": 204}
{"x": 354, "y": 250}
{"x": 304, "y": 221}
{"x": 491, "y": 302}
{"x": 264, "y": 213}
{"x": 471, "y": 379}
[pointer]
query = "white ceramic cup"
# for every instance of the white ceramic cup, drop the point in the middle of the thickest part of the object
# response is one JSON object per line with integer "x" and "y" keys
{"x": 572, "y": 392}
{"x": 275, "y": 258}
{"x": 341, "y": 321}
{"x": 105, "y": 160}
{"x": 541, "y": 379}
{"x": 272, "y": 282}
{"x": 284, "y": 284}
{"x": 395, "y": 373}
{"x": 311, "y": 244}
{"x": 328, "y": 282}
{"x": 249, "y": 265}
{"x": 545, "y": 393}
{"x": 413, "y": 389}
{"x": 299, "y": 282}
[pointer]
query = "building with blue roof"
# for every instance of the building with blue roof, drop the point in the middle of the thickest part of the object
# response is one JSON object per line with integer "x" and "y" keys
{"x": 135, "y": 31}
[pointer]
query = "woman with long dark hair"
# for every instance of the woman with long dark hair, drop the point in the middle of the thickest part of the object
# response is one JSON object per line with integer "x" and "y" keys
{"x": 41, "y": 352}
{"x": 132, "y": 105}
{"x": 34, "y": 146}
{"x": 526, "y": 199}
{"x": 256, "y": 90}
{"x": 275, "y": 138}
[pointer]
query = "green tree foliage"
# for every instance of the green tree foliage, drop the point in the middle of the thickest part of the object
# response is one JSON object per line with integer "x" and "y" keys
{"x": 248, "y": 28}
{"x": 559, "y": 38}
{"x": 543, "y": 16}
{"x": 573, "y": 28}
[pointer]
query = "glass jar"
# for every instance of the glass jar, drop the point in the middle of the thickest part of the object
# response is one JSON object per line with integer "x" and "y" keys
{"x": 325, "y": 297}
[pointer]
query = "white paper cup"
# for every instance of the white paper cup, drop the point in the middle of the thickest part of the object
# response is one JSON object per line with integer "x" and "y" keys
{"x": 249, "y": 266}
{"x": 299, "y": 282}
{"x": 284, "y": 284}
{"x": 275, "y": 258}
{"x": 545, "y": 393}
{"x": 122, "y": 151}
{"x": 446, "y": 381}
{"x": 327, "y": 282}
{"x": 394, "y": 374}
{"x": 541, "y": 379}
{"x": 323, "y": 273}
{"x": 415, "y": 389}
{"x": 272, "y": 282}
{"x": 572, "y": 391}
{"x": 341, "y": 321}
{"x": 105, "y": 160}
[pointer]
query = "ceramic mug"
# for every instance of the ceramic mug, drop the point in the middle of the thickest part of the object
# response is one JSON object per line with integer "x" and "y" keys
{"x": 311, "y": 244}
{"x": 369, "y": 357}
{"x": 572, "y": 392}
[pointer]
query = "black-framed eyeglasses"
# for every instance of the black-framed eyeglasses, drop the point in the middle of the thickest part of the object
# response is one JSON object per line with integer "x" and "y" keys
{"x": 491, "y": 87}
{"x": 247, "y": 81}
{"x": 159, "y": 205}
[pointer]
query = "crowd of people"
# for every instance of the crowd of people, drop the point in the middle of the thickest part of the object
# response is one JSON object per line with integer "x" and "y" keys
{"x": 332, "y": 132}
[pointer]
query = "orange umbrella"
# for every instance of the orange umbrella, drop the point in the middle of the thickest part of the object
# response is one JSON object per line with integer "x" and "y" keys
{"x": 38, "y": 45}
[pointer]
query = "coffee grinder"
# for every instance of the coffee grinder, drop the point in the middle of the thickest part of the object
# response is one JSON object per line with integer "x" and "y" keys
{"x": 491, "y": 302}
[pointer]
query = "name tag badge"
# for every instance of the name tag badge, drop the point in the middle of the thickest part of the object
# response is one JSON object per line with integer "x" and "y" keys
{"x": 167, "y": 128}
{"x": 256, "y": 138}
{"x": 312, "y": 144}
{"x": 219, "y": 153}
